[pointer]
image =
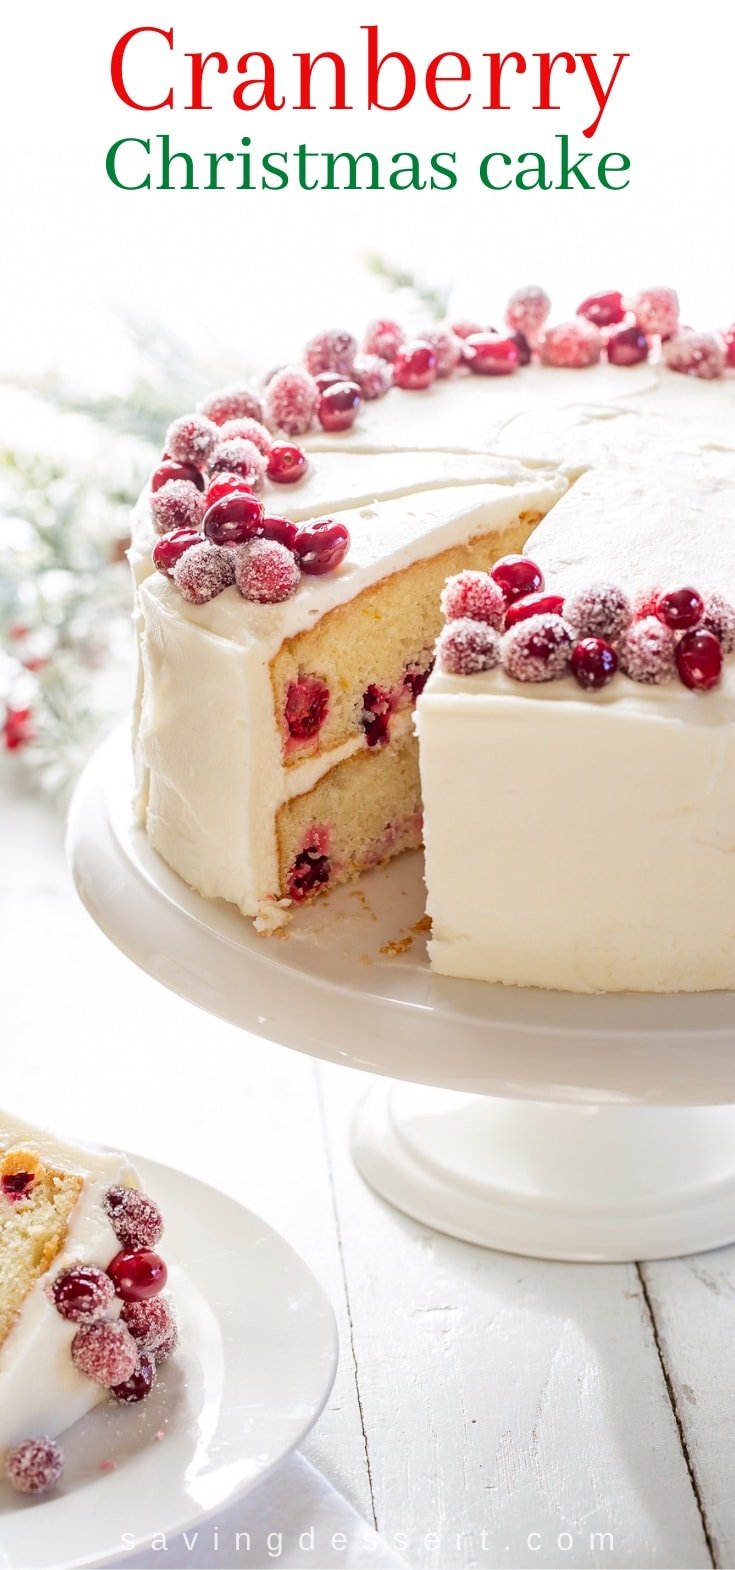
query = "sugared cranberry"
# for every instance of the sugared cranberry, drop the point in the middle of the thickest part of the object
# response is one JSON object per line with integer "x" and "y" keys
{"x": 291, "y": 399}
{"x": 699, "y": 660}
{"x": 137, "y": 1274}
{"x": 35, "y": 1466}
{"x": 646, "y": 651}
{"x": 225, "y": 485}
{"x": 680, "y": 609}
{"x": 627, "y": 346}
{"x": 236, "y": 455}
{"x": 15, "y": 1185}
{"x": 374, "y": 376}
{"x": 330, "y": 351}
{"x": 105, "y": 1352}
{"x": 466, "y": 647}
{"x": 191, "y": 439}
{"x": 231, "y": 403}
{"x": 728, "y": 338}
{"x": 83, "y": 1294}
{"x": 339, "y": 406}
{"x": 604, "y": 310}
{"x": 527, "y": 310}
{"x": 384, "y": 338}
{"x": 468, "y": 329}
{"x": 176, "y": 471}
{"x": 178, "y": 505}
{"x": 475, "y": 595}
{"x": 537, "y": 650}
{"x": 247, "y": 430}
{"x": 487, "y": 354}
{"x": 571, "y": 345}
{"x": 170, "y": 548}
{"x": 308, "y": 874}
{"x": 234, "y": 519}
{"x": 695, "y": 354}
{"x": 266, "y": 572}
{"x": 594, "y": 663}
{"x": 286, "y": 463}
{"x": 601, "y": 610}
{"x": 377, "y": 707}
{"x": 203, "y": 572}
{"x": 167, "y": 1346}
{"x": 719, "y": 618}
{"x": 517, "y": 576}
{"x": 149, "y": 1323}
{"x": 140, "y": 1383}
{"x": 414, "y": 368}
{"x": 446, "y": 345}
{"x": 135, "y": 1220}
{"x": 306, "y": 708}
{"x": 321, "y": 546}
{"x": 534, "y": 605}
{"x": 657, "y": 311}
{"x": 644, "y": 602}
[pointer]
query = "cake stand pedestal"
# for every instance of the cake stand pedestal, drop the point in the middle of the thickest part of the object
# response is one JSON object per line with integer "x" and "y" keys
{"x": 568, "y": 1127}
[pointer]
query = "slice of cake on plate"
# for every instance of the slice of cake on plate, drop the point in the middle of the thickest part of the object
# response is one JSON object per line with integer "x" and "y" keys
{"x": 81, "y": 1318}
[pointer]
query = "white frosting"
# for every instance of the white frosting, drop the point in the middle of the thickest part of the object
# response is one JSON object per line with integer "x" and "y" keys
{"x": 41, "y": 1390}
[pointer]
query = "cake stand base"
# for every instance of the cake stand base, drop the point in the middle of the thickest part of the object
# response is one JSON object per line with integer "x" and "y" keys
{"x": 552, "y": 1180}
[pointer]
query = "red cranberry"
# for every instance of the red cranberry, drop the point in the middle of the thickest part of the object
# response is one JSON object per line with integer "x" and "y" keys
{"x": 165, "y": 1348}
{"x": 34, "y": 1466}
{"x": 487, "y": 354}
{"x": 15, "y": 1185}
{"x": 603, "y": 309}
{"x": 729, "y": 341}
{"x": 280, "y": 529}
{"x": 517, "y": 577}
{"x": 169, "y": 470}
{"x": 415, "y": 366}
{"x": 523, "y": 347}
{"x": 105, "y": 1352}
{"x": 136, "y": 1221}
{"x": 140, "y": 1383}
{"x": 699, "y": 660}
{"x": 339, "y": 406}
{"x": 83, "y": 1294}
{"x": 266, "y": 572}
{"x": 680, "y": 609}
{"x": 234, "y": 519}
{"x": 321, "y": 546}
{"x": 377, "y": 707}
{"x": 308, "y": 874}
{"x": 149, "y": 1323}
{"x": 170, "y": 548}
{"x": 226, "y": 485}
{"x": 534, "y": 605}
{"x": 627, "y": 346}
{"x": 414, "y": 680}
{"x": 137, "y": 1274}
{"x": 307, "y": 706}
{"x": 286, "y": 463}
{"x": 594, "y": 663}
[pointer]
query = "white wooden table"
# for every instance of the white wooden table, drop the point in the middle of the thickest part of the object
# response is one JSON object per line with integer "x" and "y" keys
{"x": 489, "y": 1410}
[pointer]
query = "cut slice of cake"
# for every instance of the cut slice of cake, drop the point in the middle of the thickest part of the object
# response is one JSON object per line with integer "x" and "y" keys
{"x": 79, "y": 1284}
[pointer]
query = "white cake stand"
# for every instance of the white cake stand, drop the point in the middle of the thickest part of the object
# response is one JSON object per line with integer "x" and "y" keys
{"x": 585, "y": 1128}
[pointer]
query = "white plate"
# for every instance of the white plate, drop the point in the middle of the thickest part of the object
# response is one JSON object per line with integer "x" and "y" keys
{"x": 255, "y": 1367}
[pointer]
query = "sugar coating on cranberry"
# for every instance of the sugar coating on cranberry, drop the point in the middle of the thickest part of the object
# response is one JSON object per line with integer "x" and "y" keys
{"x": 167, "y": 1346}
{"x": 467, "y": 328}
{"x": 718, "y": 617}
{"x": 236, "y": 455}
{"x": 190, "y": 439}
{"x": 680, "y": 609}
{"x": 286, "y": 463}
{"x": 604, "y": 309}
{"x": 374, "y": 376}
{"x": 231, "y": 403}
{"x": 204, "y": 572}
{"x": 35, "y": 1466}
{"x": 105, "y": 1352}
{"x": 466, "y": 647}
{"x": 517, "y": 576}
{"x": 600, "y": 611}
{"x": 474, "y": 595}
{"x": 250, "y": 431}
{"x": 644, "y": 602}
{"x": 446, "y": 345}
{"x": 699, "y": 660}
{"x": 140, "y": 1383}
{"x": 149, "y": 1322}
{"x": 527, "y": 310}
{"x": 537, "y": 650}
{"x": 571, "y": 345}
{"x": 593, "y": 663}
{"x": 136, "y": 1221}
{"x": 627, "y": 346}
{"x": 306, "y": 707}
{"x": 657, "y": 311}
{"x": 83, "y": 1294}
{"x": 291, "y": 399}
{"x": 414, "y": 368}
{"x": 330, "y": 351}
{"x": 383, "y": 338}
{"x": 266, "y": 572}
{"x": 695, "y": 354}
{"x": 178, "y": 505}
{"x": 646, "y": 651}
{"x": 137, "y": 1274}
